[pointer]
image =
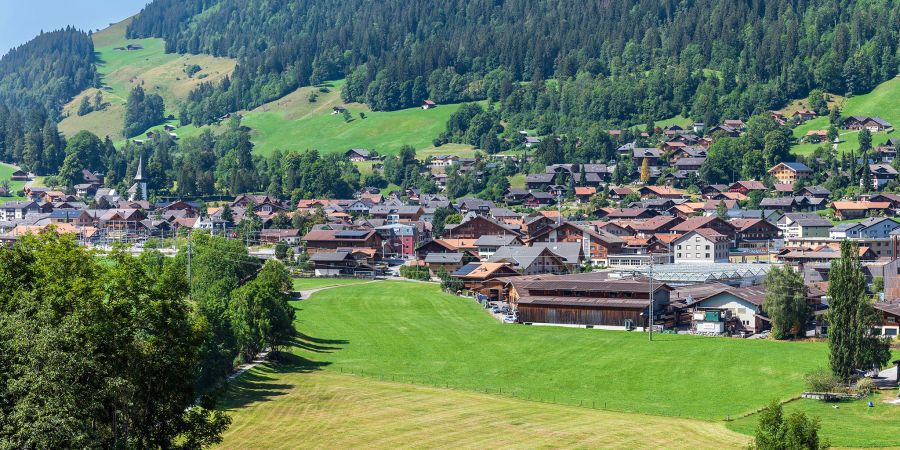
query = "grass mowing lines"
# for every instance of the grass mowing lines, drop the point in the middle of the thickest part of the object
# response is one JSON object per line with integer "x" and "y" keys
{"x": 271, "y": 408}
{"x": 302, "y": 284}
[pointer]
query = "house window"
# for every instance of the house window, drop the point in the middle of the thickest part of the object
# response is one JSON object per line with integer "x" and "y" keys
{"x": 890, "y": 331}
{"x": 679, "y": 255}
{"x": 707, "y": 247}
{"x": 707, "y": 256}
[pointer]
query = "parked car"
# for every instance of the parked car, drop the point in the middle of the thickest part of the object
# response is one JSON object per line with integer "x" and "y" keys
{"x": 509, "y": 318}
{"x": 495, "y": 310}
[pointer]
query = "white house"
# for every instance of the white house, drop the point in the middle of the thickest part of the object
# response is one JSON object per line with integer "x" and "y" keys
{"x": 730, "y": 310}
{"x": 871, "y": 228}
{"x": 803, "y": 225}
{"x": 703, "y": 245}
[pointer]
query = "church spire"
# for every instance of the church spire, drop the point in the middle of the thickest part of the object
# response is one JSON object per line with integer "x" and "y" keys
{"x": 139, "y": 175}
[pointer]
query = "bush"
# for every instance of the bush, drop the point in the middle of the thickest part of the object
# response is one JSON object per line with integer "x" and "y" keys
{"x": 865, "y": 386}
{"x": 415, "y": 273}
{"x": 822, "y": 381}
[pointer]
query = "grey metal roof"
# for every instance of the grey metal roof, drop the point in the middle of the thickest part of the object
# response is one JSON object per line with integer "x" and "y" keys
{"x": 443, "y": 258}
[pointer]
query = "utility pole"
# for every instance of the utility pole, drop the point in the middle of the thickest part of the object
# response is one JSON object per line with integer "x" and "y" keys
{"x": 650, "y": 319}
{"x": 190, "y": 284}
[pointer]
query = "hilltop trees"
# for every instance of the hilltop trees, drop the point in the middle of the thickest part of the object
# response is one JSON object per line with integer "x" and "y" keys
{"x": 142, "y": 112}
{"x": 851, "y": 317}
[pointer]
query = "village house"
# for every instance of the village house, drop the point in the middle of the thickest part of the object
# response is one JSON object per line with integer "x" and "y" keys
{"x": 530, "y": 260}
{"x": 882, "y": 174}
{"x": 450, "y": 262}
{"x": 754, "y": 233}
{"x": 802, "y": 115}
{"x": 873, "y": 124}
{"x": 332, "y": 240}
{"x": 341, "y": 262}
{"x": 747, "y": 186}
{"x": 803, "y": 225}
{"x": 815, "y": 136}
{"x": 890, "y": 313}
{"x": 357, "y": 154}
{"x": 275, "y": 236}
{"x": 428, "y": 104}
{"x": 871, "y": 228}
{"x": 715, "y": 223}
{"x": 475, "y": 275}
{"x": 790, "y": 172}
{"x": 11, "y": 211}
{"x": 730, "y": 311}
{"x": 703, "y": 245}
{"x": 476, "y": 226}
{"x": 844, "y": 210}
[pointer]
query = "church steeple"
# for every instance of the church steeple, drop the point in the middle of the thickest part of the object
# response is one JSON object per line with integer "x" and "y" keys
{"x": 139, "y": 175}
{"x": 138, "y": 190}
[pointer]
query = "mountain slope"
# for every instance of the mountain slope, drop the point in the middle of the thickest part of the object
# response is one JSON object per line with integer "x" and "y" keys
{"x": 151, "y": 67}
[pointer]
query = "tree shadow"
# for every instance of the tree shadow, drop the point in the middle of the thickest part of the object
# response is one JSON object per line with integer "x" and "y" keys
{"x": 317, "y": 345}
{"x": 267, "y": 381}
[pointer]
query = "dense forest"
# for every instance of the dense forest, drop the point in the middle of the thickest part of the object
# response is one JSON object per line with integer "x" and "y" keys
{"x": 36, "y": 79}
{"x": 47, "y": 71}
{"x": 614, "y": 62}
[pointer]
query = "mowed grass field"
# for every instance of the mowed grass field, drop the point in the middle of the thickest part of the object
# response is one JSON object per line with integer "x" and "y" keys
{"x": 399, "y": 364}
{"x": 413, "y": 332}
{"x": 284, "y": 406}
{"x": 151, "y": 67}
{"x": 302, "y": 284}
{"x": 883, "y": 101}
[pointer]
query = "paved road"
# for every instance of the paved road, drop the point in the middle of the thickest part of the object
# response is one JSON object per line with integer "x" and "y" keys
{"x": 887, "y": 377}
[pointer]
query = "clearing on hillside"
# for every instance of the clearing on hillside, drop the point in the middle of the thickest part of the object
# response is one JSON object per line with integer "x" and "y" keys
{"x": 149, "y": 66}
{"x": 883, "y": 101}
{"x": 295, "y": 123}
{"x": 291, "y": 405}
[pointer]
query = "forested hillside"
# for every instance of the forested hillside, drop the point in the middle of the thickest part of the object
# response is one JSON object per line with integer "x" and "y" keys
{"x": 36, "y": 79}
{"x": 617, "y": 63}
{"x": 48, "y": 70}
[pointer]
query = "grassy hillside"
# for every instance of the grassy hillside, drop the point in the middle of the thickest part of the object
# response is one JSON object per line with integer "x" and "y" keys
{"x": 295, "y": 123}
{"x": 15, "y": 187}
{"x": 883, "y": 101}
{"x": 285, "y": 406}
{"x": 157, "y": 71}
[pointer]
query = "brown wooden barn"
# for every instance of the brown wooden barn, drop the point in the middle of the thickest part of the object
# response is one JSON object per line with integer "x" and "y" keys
{"x": 589, "y": 300}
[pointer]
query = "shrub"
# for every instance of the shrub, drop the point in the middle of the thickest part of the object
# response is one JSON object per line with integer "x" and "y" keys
{"x": 865, "y": 386}
{"x": 415, "y": 273}
{"x": 822, "y": 381}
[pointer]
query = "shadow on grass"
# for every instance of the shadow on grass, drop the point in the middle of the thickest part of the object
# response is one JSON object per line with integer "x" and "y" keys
{"x": 317, "y": 345}
{"x": 267, "y": 381}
